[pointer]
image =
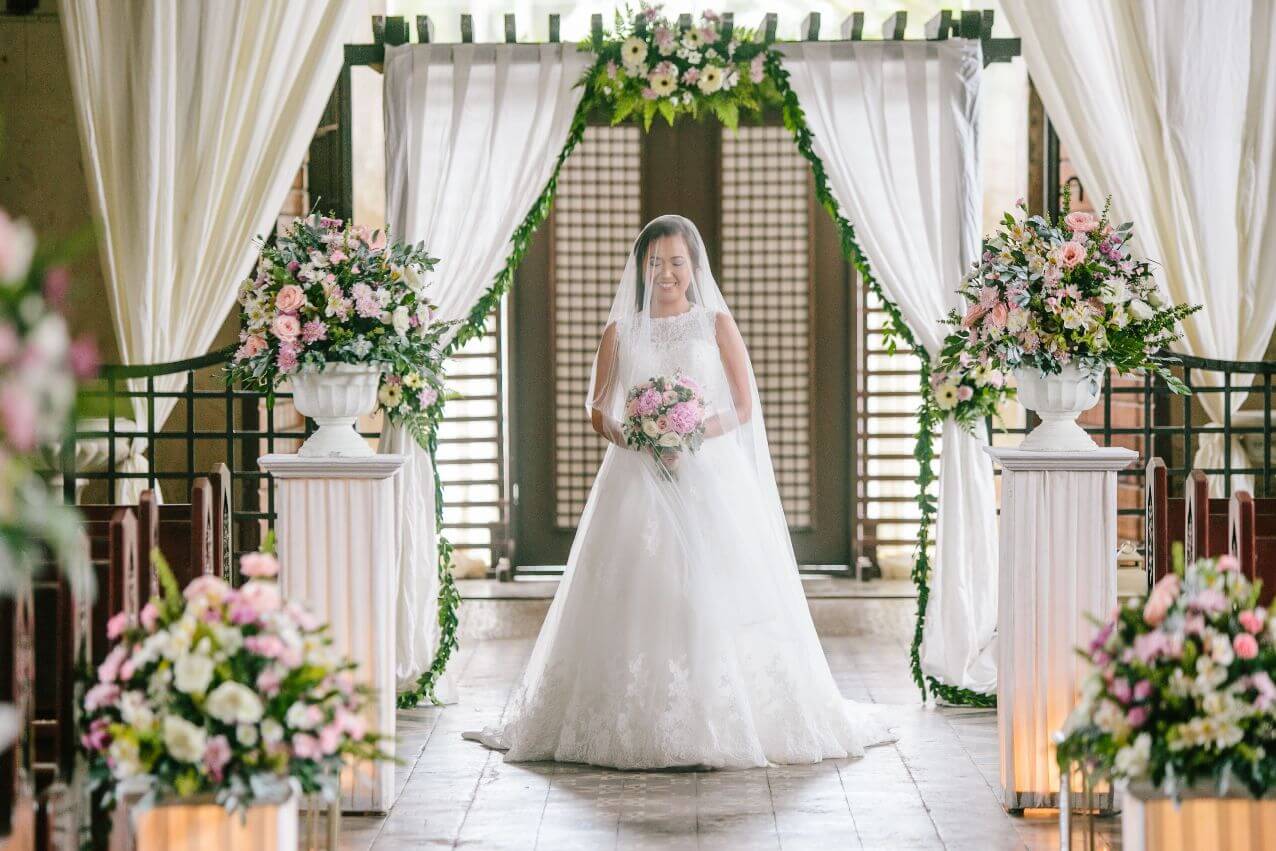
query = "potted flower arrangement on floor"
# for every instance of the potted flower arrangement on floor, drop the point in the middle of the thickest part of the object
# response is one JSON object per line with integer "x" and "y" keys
{"x": 342, "y": 314}
{"x": 1057, "y": 304}
{"x": 1180, "y": 710}
{"x": 215, "y": 710}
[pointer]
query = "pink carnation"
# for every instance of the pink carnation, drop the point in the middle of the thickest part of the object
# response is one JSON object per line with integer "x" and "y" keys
{"x": 255, "y": 565}
{"x": 1262, "y": 683}
{"x": 99, "y": 735}
{"x": 1228, "y": 562}
{"x": 1245, "y": 645}
{"x": 269, "y": 646}
{"x": 314, "y": 331}
{"x": 102, "y": 694}
{"x": 150, "y": 616}
{"x": 351, "y": 723}
{"x": 116, "y": 625}
{"x": 262, "y": 596}
{"x": 287, "y": 358}
{"x": 109, "y": 670}
{"x": 428, "y": 396}
{"x": 1142, "y": 690}
{"x": 1137, "y": 716}
{"x": 1252, "y": 620}
{"x": 207, "y": 585}
{"x": 306, "y": 746}
{"x": 330, "y": 738}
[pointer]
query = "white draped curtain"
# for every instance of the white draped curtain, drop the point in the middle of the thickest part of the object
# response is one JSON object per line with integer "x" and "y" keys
{"x": 896, "y": 127}
{"x": 1171, "y": 109}
{"x": 472, "y": 135}
{"x": 194, "y": 118}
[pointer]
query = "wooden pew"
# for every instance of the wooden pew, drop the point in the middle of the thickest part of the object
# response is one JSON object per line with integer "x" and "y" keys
{"x": 1205, "y": 520}
{"x": 17, "y": 804}
{"x": 222, "y": 522}
{"x": 183, "y": 532}
{"x": 1163, "y": 520}
{"x": 1252, "y": 539}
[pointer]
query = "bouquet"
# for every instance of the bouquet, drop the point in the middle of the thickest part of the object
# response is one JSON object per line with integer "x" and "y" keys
{"x": 39, "y": 366}
{"x": 653, "y": 65}
{"x": 1182, "y": 688}
{"x": 327, "y": 293}
{"x": 1044, "y": 295}
{"x": 221, "y": 690}
{"x": 667, "y": 416}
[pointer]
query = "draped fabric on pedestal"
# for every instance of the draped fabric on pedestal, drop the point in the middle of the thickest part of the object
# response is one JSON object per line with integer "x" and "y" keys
{"x": 194, "y": 118}
{"x": 1171, "y": 109}
{"x": 896, "y": 127}
{"x": 472, "y": 136}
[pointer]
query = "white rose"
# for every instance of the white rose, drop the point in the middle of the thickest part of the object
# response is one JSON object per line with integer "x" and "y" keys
{"x": 192, "y": 673}
{"x": 1132, "y": 761}
{"x": 402, "y": 320}
{"x": 415, "y": 280}
{"x": 127, "y": 760}
{"x": 271, "y": 731}
{"x": 234, "y": 703}
{"x": 649, "y": 428}
{"x": 135, "y": 711}
{"x": 20, "y": 239}
{"x": 298, "y": 716}
{"x": 1140, "y": 310}
{"x": 185, "y": 741}
{"x": 246, "y": 735}
{"x": 670, "y": 439}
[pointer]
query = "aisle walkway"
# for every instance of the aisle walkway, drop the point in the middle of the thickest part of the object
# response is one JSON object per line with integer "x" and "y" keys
{"x": 935, "y": 788}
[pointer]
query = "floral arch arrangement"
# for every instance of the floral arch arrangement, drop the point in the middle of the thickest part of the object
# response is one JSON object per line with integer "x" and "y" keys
{"x": 651, "y": 66}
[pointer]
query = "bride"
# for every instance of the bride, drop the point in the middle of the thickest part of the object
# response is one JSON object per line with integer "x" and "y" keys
{"x": 680, "y": 634}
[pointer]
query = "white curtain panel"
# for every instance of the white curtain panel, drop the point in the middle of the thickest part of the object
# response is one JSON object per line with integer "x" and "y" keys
{"x": 1171, "y": 108}
{"x": 194, "y": 118}
{"x": 896, "y": 126}
{"x": 472, "y": 134}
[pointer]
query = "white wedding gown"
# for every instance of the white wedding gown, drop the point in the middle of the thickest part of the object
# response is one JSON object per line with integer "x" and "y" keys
{"x": 680, "y": 634}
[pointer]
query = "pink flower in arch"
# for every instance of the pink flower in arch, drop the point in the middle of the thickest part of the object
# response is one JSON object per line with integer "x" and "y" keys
{"x": 1071, "y": 253}
{"x": 255, "y": 565}
{"x": 290, "y": 299}
{"x": 1252, "y": 620}
{"x": 286, "y": 327}
{"x": 314, "y": 331}
{"x": 1080, "y": 221}
{"x": 1245, "y": 645}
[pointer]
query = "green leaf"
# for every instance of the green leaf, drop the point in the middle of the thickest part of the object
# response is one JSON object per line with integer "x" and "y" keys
{"x": 667, "y": 109}
{"x": 648, "y": 113}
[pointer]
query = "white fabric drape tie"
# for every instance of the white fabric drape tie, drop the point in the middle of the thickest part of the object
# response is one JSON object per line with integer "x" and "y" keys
{"x": 472, "y": 135}
{"x": 1186, "y": 148}
{"x": 194, "y": 118}
{"x": 896, "y": 127}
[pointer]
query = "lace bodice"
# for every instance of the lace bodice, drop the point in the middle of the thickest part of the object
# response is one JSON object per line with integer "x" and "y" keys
{"x": 683, "y": 342}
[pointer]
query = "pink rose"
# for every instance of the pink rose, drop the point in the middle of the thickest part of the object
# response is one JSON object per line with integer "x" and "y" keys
{"x": 1121, "y": 689}
{"x": 1252, "y": 620}
{"x": 306, "y": 746}
{"x": 1142, "y": 690}
{"x": 1228, "y": 562}
{"x": 330, "y": 738}
{"x": 116, "y": 625}
{"x": 256, "y": 565}
{"x": 973, "y": 315}
{"x": 662, "y": 424}
{"x": 216, "y": 755}
{"x": 1080, "y": 222}
{"x": 150, "y": 616}
{"x": 102, "y": 694}
{"x": 1156, "y": 608}
{"x": 253, "y": 345}
{"x": 290, "y": 299}
{"x": 998, "y": 315}
{"x": 1245, "y": 645}
{"x": 262, "y": 596}
{"x": 286, "y": 327}
{"x": 213, "y": 587}
{"x": 1137, "y": 716}
{"x": 1071, "y": 253}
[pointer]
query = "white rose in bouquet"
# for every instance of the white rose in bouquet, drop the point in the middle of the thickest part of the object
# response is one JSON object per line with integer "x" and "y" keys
{"x": 192, "y": 673}
{"x": 184, "y": 740}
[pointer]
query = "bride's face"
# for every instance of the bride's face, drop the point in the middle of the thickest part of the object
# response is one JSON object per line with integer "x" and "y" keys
{"x": 669, "y": 269}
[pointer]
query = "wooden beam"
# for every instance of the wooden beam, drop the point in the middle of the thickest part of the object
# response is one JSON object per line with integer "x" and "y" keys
{"x": 467, "y": 29}
{"x": 810, "y": 29}
{"x": 893, "y": 28}
{"x": 768, "y": 27}
{"x": 378, "y": 29}
{"x": 971, "y": 24}
{"x": 424, "y": 29}
{"x": 684, "y": 22}
{"x": 853, "y": 27}
{"x": 986, "y": 17}
{"x": 938, "y": 27}
{"x": 596, "y": 30}
{"x": 553, "y": 28}
{"x": 728, "y": 26}
{"x": 396, "y": 30}
{"x": 511, "y": 29}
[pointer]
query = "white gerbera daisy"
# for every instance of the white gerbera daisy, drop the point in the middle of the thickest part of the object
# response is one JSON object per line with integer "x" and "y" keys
{"x": 946, "y": 396}
{"x": 633, "y": 52}
{"x": 692, "y": 39}
{"x": 710, "y": 79}
{"x": 662, "y": 84}
{"x": 390, "y": 395}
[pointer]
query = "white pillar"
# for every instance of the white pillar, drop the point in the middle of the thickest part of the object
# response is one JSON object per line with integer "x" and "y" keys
{"x": 338, "y": 539}
{"x": 1058, "y": 568}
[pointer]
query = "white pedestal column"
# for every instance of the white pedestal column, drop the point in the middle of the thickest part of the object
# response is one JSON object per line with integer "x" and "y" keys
{"x": 338, "y": 537}
{"x": 1058, "y": 567}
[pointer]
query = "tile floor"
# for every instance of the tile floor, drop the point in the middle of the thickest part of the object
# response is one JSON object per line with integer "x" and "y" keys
{"x": 935, "y": 788}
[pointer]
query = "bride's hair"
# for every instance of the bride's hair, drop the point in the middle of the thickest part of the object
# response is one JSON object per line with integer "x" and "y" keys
{"x": 656, "y": 228}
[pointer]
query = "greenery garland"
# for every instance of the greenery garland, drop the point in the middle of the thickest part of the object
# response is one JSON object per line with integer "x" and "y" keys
{"x": 929, "y": 416}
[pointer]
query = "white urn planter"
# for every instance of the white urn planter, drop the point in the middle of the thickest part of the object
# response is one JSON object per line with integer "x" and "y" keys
{"x": 1058, "y": 400}
{"x": 335, "y": 397}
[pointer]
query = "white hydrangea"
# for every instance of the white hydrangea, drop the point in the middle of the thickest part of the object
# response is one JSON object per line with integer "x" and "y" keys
{"x": 185, "y": 741}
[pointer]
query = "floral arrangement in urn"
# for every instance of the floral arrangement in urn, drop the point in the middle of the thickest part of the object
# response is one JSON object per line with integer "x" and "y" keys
{"x": 654, "y": 65}
{"x": 1047, "y": 298}
{"x": 223, "y": 690}
{"x": 39, "y": 366}
{"x": 326, "y": 293}
{"x": 1183, "y": 689}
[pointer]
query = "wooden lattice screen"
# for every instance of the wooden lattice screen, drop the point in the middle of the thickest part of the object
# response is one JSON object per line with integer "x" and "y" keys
{"x": 596, "y": 214}
{"x": 766, "y": 278}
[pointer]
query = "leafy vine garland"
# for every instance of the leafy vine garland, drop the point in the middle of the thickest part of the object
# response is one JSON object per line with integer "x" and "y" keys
{"x": 774, "y": 89}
